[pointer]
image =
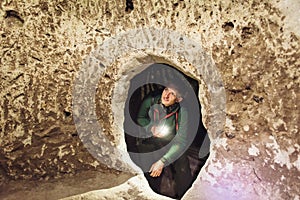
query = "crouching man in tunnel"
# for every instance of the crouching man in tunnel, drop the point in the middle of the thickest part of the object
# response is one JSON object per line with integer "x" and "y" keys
{"x": 164, "y": 139}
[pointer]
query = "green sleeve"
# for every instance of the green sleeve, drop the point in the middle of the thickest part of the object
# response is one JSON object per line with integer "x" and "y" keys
{"x": 179, "y": 144}
{"x": 143, "y": 118}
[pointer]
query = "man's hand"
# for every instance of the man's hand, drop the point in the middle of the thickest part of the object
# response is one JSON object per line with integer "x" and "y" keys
{"x": 156, "y": 168}
{"x": 155, "y": 132}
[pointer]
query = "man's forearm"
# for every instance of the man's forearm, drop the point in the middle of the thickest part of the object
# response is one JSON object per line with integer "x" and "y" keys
{"x": 173, "y": 154}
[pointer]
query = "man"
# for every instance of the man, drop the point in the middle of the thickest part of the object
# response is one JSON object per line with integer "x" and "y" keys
{"x": 165, "y": 125}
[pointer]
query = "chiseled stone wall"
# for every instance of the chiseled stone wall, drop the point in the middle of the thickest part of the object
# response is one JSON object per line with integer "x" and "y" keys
{"x": 254, "y": 45}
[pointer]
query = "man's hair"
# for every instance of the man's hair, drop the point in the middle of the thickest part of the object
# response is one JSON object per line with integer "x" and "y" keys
{"x": 180, "y": 91}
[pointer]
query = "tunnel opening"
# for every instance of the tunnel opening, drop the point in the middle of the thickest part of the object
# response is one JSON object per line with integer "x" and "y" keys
{"x": 151, "y": 82}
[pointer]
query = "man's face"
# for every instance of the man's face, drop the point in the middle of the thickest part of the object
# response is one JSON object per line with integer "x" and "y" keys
{"x": 169, "y": 97}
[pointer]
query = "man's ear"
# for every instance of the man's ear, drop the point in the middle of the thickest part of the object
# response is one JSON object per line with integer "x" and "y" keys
{"x": 179, "y": 99}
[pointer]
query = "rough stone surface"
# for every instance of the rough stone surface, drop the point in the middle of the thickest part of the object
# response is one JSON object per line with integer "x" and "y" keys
{"x": 253, "y": 44}
{"x": 134, "y": 188}
{"x": 63, "y": 187}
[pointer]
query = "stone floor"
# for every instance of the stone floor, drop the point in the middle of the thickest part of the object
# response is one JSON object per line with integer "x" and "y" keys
{"x": 63, "y": 187}
{"x": 83, "y": 183}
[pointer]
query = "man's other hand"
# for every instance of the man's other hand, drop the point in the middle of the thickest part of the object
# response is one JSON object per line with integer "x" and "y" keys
{"x": 156, "y": 168}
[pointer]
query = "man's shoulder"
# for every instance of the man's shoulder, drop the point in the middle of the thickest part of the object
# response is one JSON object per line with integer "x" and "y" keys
{"x": 156, "y": 98}
{"x": 182, "y": 110}
{"x": 153, "y": 98}
{"x": 150, "y": 99}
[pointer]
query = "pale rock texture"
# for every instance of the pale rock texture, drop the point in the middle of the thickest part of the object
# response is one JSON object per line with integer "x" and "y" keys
{"x": 252, "y": 53}
{"x": 134, "y": 188}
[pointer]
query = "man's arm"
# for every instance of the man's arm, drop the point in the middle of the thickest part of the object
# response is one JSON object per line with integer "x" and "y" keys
{"x": 181, "y": 139}
{"x": 177, "y": 148}
{"x": 143, "y": 118}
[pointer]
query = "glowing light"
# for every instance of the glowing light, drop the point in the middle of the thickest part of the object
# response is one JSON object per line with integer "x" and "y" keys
{"x": 163, "y": 130}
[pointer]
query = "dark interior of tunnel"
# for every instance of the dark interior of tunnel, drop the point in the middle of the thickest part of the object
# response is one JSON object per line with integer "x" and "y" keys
{"x": 144, "y": 84}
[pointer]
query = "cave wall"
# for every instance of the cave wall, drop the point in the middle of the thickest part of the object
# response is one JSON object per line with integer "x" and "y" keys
{"x": 254, "y": 46}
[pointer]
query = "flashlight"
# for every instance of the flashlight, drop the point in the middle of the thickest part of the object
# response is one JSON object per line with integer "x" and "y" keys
{"x": 163, "y": 130}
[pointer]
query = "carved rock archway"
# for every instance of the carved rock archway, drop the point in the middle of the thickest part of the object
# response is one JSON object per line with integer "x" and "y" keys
{"x": 107, "y": 72}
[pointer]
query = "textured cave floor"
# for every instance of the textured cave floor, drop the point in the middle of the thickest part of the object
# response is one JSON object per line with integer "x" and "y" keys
{"x": 62, "y": 187}
{"x": 80, "y": 183}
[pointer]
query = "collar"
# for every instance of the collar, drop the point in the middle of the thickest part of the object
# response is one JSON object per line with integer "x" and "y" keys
{"x": 172, "y": 108}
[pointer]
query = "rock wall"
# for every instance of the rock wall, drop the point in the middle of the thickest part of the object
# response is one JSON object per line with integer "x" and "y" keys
{"x": 254, "y": 46}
